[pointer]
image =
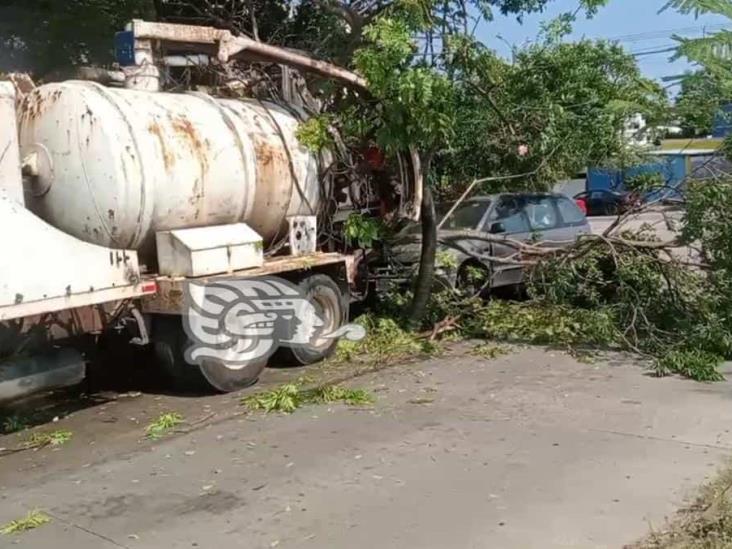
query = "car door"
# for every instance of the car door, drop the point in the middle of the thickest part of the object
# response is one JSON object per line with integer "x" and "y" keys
{"x": 461, "y": 235}
{"x": 573, "y": 222}
{"x": 506, "y": 221}
{"x": 544, "y": 221}
{"x": 598, "y": 203}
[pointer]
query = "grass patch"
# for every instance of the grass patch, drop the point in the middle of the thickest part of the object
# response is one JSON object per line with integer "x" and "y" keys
{"x": 32, "y": 520}
{"x": 163, "y": 425}
{"x": 705, "y": 524}
{"x": 54, "y": 438}
{"x": 291, "y": 396}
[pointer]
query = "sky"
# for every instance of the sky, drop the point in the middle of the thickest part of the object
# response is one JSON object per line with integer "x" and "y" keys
{"x": 636, "y": 24}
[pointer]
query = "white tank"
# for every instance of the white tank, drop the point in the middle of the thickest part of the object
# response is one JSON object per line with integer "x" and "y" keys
{"x": 115, "y": 166}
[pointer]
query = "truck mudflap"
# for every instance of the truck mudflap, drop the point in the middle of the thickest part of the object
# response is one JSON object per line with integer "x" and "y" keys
{"x": 44, "y": 270}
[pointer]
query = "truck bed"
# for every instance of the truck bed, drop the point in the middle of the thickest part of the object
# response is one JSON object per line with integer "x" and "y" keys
{"x": 170, "y": 295}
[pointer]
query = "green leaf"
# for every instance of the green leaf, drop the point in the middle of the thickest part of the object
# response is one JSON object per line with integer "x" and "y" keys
{"x": 701, "y": 7}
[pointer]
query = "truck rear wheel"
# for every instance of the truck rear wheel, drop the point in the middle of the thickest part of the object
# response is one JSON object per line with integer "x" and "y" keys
{"x": 170, "y": 343}
{"x": 331, "y": 304}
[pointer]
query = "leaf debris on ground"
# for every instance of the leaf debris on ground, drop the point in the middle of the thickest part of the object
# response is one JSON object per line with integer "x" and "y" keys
{"x": 163, "y": 425}
{"x": 291, "y": 396}
{"x": 705, "y": 524}
{"x": 40, "y": 440}
{"x": 33, "y": 519}
{"x": 489, "y": 350}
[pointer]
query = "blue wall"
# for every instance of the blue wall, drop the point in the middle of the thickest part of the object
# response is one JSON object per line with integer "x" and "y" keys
{"x": 672, "y": 167}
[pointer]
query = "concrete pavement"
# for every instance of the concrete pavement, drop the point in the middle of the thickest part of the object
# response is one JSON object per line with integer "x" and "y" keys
{"x": 665, "y": 222}
{"x": 532, "y": 449}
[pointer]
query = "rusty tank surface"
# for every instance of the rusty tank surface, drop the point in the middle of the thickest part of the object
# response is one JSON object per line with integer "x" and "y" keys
{"x": 114, "y": 166}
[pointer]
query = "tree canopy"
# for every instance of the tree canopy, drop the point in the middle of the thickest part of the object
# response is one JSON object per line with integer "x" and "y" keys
{"x": 699, "y": 100}
{"x": 553, "y": 110}
{"x": 41, "y": 36}
{"x": 714, "y": 52}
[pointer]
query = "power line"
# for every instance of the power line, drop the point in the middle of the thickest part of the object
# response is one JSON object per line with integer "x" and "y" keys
{"x": 667, "y": 48}
{"x": 654, "y": 35}
{"x": 654, "y": 51}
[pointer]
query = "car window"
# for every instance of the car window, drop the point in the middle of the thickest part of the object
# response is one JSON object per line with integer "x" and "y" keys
{"x": 541, "y": 213}
{"x": 569, "y": 211}
{"x": 510, "y": 214}
{"x": 441, "y": 208}
{"x": 467, "y": 216}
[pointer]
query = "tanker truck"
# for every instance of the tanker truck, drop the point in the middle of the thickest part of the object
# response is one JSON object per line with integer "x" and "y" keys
{"x": 114, "y": 200}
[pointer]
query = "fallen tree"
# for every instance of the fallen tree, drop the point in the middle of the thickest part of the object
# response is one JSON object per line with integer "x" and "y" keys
{"x": 666, "y": 300}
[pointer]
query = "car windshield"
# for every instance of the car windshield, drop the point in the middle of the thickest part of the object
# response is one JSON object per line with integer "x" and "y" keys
{"x": 467, "y": 215}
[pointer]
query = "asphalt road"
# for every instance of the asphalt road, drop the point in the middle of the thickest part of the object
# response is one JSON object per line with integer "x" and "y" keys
{"x": 532, "y": 449}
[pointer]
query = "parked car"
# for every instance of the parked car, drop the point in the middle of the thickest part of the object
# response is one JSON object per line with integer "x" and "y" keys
{"x": 606, "y": 202}
{"x": 472, "y": 235}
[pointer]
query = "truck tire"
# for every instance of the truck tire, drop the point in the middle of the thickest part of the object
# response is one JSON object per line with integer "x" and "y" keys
{"x": 331, "y": 303}
{"x": 170, "y": 342}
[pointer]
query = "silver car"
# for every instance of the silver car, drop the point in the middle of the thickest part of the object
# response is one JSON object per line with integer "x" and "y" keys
{"x": 470, "y": 246}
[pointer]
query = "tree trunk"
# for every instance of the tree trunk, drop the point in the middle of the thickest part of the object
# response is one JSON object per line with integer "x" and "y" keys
{"x": 425, "y": 277}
